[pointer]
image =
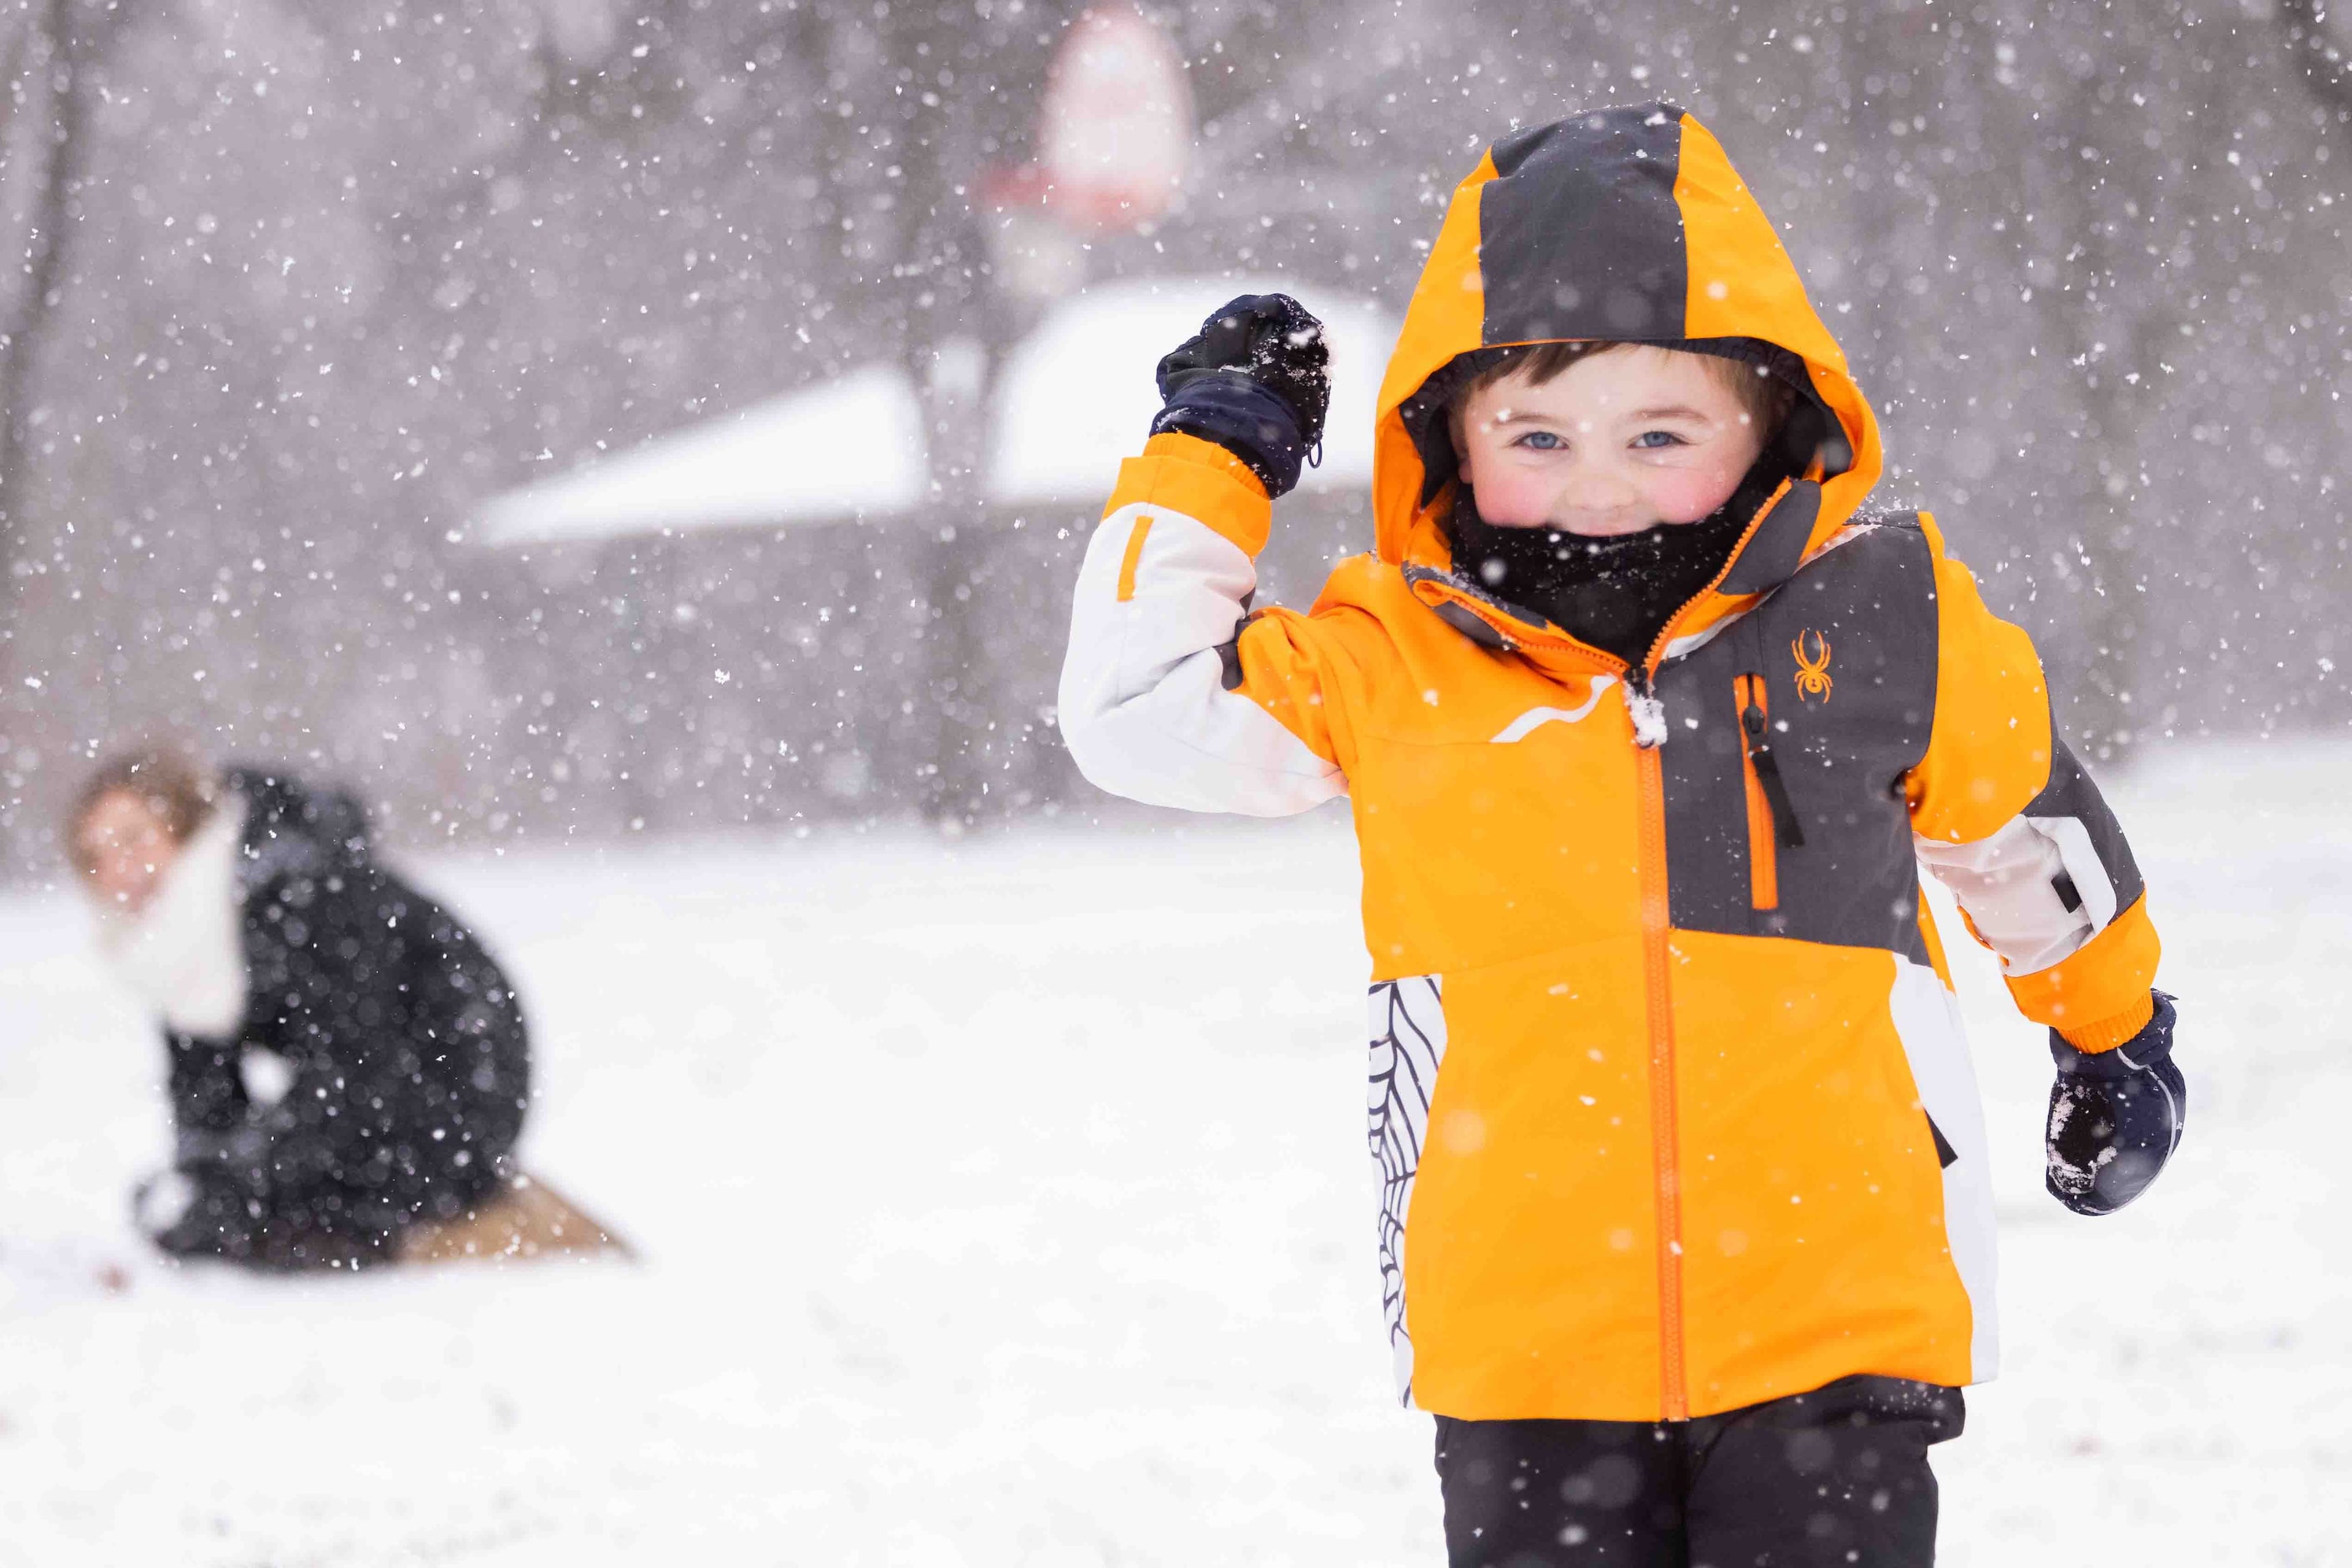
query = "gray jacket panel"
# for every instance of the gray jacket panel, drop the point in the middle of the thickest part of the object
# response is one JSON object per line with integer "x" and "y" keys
{"x": 1847, "y": 651}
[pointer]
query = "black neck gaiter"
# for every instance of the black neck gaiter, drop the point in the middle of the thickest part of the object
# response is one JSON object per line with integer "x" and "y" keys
{"x": 1616, "y": 593}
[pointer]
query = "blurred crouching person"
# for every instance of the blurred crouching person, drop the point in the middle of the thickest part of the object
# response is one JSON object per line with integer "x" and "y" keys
{"x": 346, "y": 1062}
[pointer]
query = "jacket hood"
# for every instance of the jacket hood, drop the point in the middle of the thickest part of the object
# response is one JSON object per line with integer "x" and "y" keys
{"x": 1630, "y": 225}
{"x": 293, "y": 828}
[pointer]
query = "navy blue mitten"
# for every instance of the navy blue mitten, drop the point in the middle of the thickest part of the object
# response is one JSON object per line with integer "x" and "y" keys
{"x": 1256, "y": 379}
{"x": 2115, "y": 1117}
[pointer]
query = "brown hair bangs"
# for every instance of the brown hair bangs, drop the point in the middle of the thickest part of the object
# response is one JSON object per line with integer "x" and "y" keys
{"x": 1765, "y": 398}
{"x": 174, "y": 788}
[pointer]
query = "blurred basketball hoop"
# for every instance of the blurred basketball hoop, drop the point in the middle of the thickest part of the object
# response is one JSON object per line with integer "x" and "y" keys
{"x": 1114, "y": 138}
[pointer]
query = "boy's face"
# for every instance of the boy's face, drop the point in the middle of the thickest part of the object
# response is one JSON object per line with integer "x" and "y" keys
{"x": 1620, "y": 441}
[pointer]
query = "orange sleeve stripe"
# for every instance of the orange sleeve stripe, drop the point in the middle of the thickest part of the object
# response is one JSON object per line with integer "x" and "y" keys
{"x": 1142, "y": 531}
{"x": 2093, "y": 995}
{"x": 1204, "y": 481}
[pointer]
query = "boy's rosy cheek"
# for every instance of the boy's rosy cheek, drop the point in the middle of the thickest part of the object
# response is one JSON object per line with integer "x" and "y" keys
{"x": 1509, "y": 499}
{"x": 1686, "y": 497}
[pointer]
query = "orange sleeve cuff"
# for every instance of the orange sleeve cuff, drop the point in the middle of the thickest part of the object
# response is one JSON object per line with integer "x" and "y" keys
{"x": 1195, "y": 449}
{"x": 2108, "y": 1033}
{"x": 2098, "y": 998}
{"x": 1202, "y": 481}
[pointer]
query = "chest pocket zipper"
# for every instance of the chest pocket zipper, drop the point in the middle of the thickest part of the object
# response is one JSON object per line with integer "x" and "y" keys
{"x": 1772, "y": 823}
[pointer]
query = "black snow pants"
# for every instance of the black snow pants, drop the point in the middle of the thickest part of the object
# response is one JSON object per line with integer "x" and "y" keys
{"x": 1835, "y": 1477}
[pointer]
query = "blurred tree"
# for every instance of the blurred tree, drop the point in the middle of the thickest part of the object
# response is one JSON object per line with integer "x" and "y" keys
{"x": 955, "y": 95}
{"x": 2320, "y": 49}
{"x": 53, "y": 59}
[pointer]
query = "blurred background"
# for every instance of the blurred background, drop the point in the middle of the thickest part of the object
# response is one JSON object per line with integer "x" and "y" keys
{"x": 622, "y": 438}
{"x": 320, "y": 306}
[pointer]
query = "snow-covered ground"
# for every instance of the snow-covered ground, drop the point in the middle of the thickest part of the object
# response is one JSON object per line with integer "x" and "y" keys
{"x": 1006, "y": 1203}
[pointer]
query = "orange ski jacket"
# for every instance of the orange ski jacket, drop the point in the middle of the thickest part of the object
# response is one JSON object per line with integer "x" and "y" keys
{"x": 1669, "y": 1103}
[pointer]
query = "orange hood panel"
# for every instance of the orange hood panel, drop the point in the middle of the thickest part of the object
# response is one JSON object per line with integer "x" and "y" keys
{"x": 1624, "y": 224}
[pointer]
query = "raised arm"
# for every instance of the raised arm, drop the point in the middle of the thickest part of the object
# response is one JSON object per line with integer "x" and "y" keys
{"x": 1172, "y": 692}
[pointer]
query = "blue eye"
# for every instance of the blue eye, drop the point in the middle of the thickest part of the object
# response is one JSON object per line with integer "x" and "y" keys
{"x": 1540, "y": 441}
{"x": 1653, "y": 440}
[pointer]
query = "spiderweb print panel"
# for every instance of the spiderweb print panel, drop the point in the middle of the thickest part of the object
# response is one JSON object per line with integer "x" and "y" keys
{"x": 1408, "y": 1041}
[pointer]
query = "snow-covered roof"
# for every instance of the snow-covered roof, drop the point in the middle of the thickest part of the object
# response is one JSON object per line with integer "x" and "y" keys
{"x": 1072, "y": 399}
{"x": 847, "y": 448}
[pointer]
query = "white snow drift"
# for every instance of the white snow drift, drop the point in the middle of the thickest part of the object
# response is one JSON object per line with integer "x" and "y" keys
{"x": 1009, "y": 1203}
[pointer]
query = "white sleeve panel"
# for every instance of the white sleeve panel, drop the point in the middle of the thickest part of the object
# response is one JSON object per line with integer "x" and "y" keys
{"x": 2010, "y": 885}
{"x": 1143, "y": 704}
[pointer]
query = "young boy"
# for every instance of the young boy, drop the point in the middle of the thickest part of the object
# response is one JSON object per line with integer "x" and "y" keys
{"x": 1685, "y": 1232}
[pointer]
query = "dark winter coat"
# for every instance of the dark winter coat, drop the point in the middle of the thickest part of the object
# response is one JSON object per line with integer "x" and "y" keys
{"x": 410, "y": 1064}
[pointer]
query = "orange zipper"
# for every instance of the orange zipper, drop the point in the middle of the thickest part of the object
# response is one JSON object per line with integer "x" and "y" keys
{"x": 1665, "y": 1140}
{"x": 1665, "y": 1137}
{"x": 1763, "y": 840}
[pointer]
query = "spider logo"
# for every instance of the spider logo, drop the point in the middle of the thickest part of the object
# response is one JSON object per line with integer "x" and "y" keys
{"x": 1812, "y": 651}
